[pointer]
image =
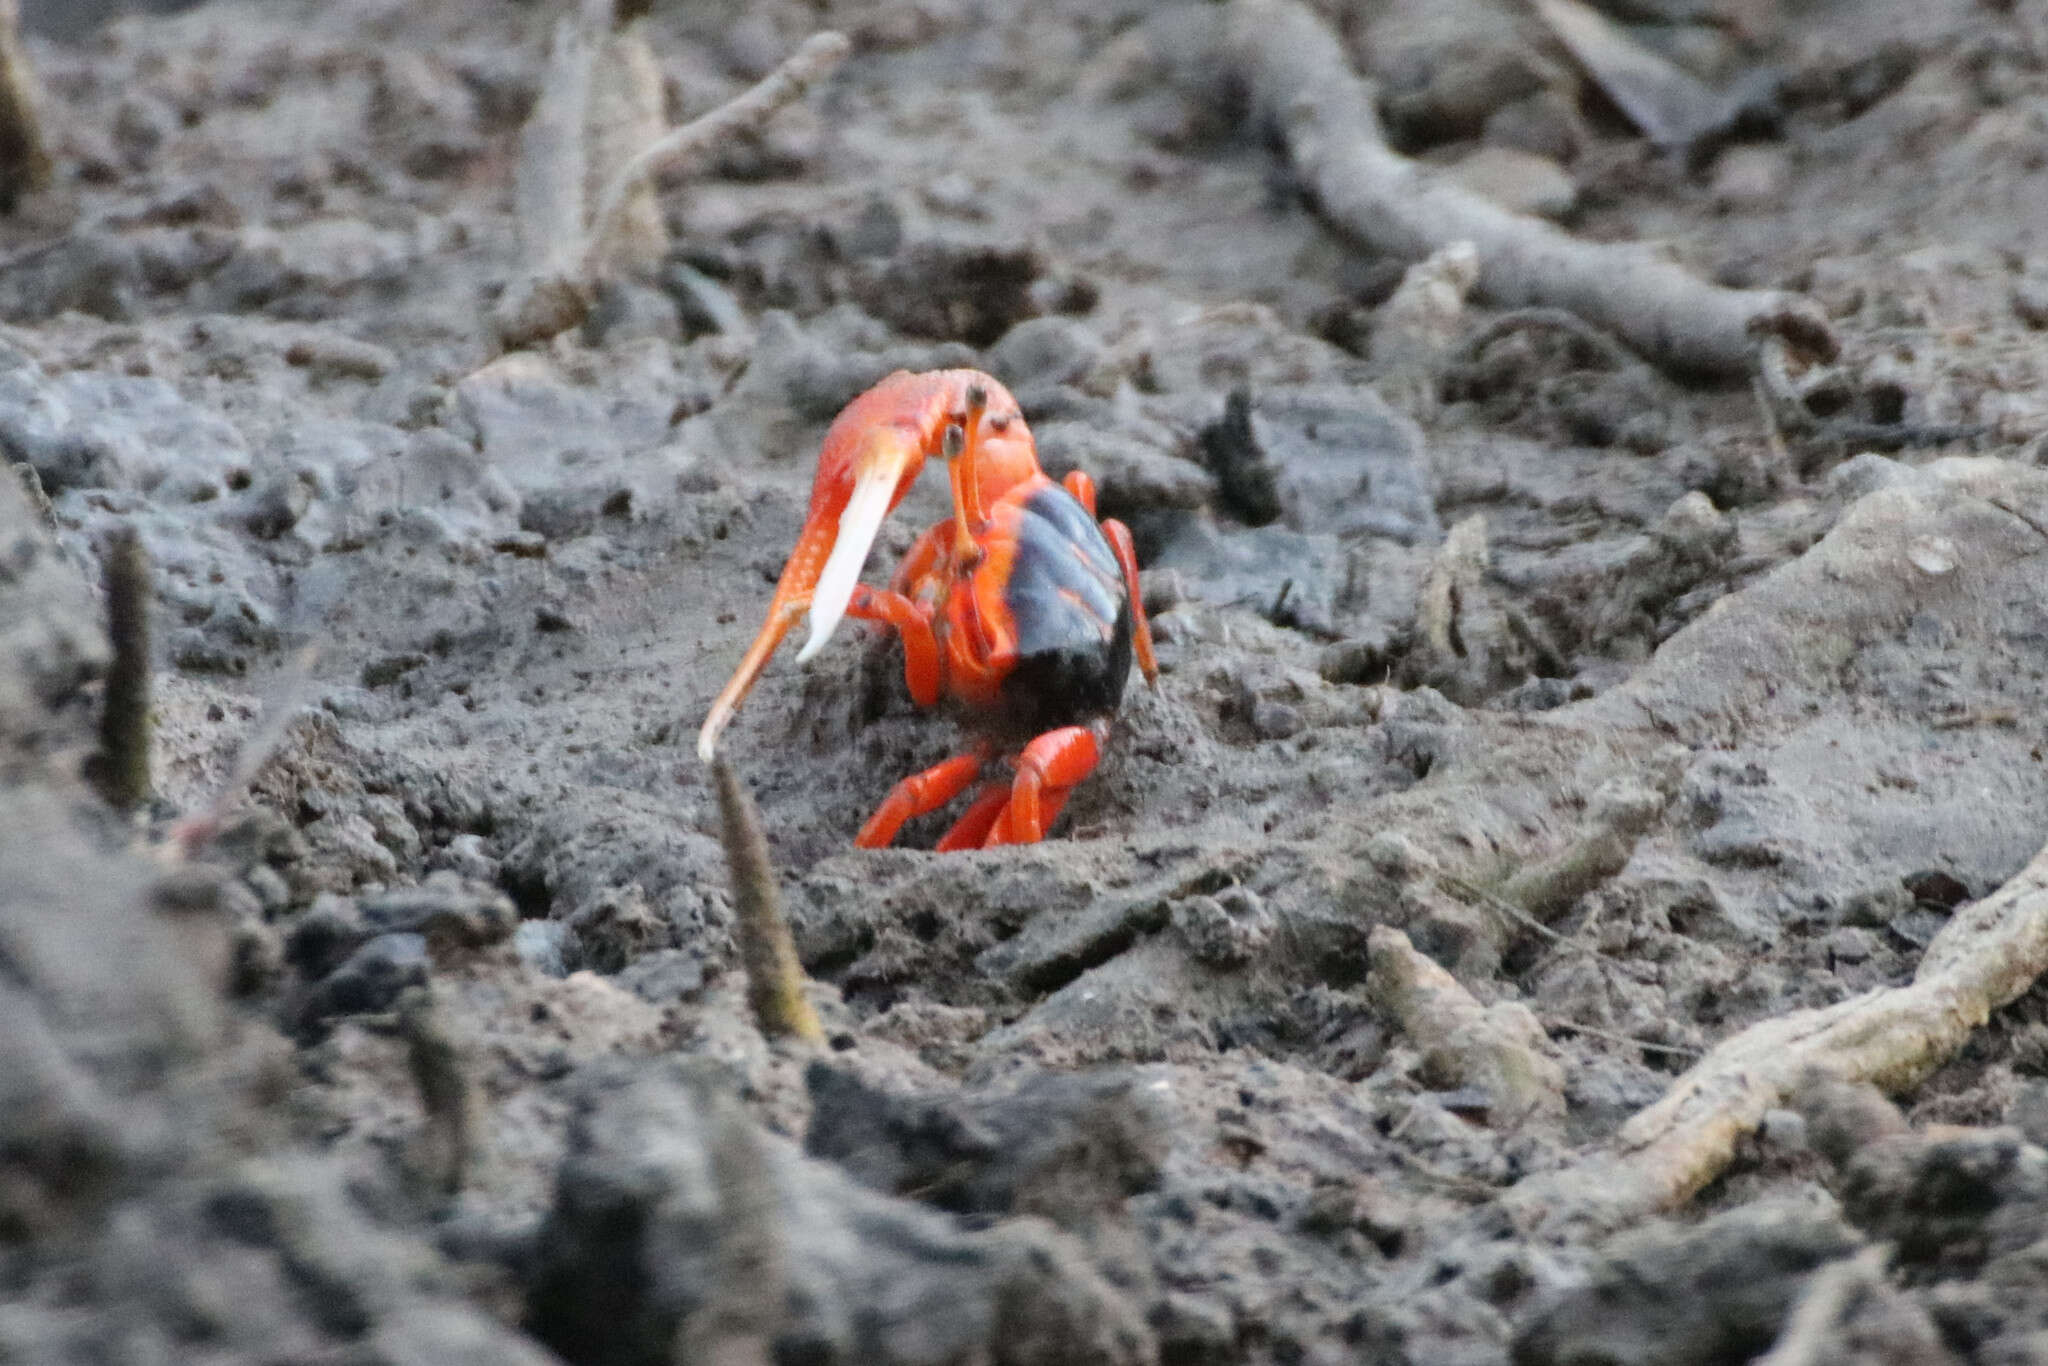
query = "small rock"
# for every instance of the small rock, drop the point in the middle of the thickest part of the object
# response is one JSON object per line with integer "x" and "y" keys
{"x": 1864, "y": 473}
{"x": 1933, "y": 556}
{"x": 1130, "y": 474}
{"x": 88, "y": 272}
{"x": 1274, "y": 720}
{"x": 386, "y": 816}
{"x": 948, "y": 292}
{"x": 1449, "y": 79}
{"x": 276, "y": 505}
{"x": 328, "y": 356}
{"x": 369, "y": 981}
{"x": 1226, "y": 930}
{"x": 1518, "y": 180}
{"x": 616, "y": 926}
{"x": 1395, "y": 855}
{"x": 352, "y": 849}
{"x": 1851, "y": 944}
{"x": 467, "y": 856}
{"x": 543, "y": 945}
{"x": 385, "y": 670}
{"x": 1750, "y": 179}
{"x": 1934, "y": 1196}
{"x": 2029, "y": 1112}
{"x": 624, "y": 311}
{"x": 663, "y": 977}
{"x": 876, "y": 230}
{"x": 272, "y": 892}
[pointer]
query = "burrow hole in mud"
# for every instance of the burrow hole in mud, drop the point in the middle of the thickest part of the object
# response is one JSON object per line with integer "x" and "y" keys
{"x": 926, "y": 924}
{"x": 529, "y": 890}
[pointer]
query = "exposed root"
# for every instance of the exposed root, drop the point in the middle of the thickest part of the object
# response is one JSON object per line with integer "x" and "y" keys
{"x": 775, "y": 979}
{"x": 1300, "y": 79}
{"x": 1463, "y": 1043}
{"x": 1786, "y": 415}
{"x": 579, "y": 220}
{"x": 1988, "y": 954}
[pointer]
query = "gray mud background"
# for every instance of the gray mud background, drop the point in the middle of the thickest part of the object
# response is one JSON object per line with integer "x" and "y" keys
{"x": 1535, "y": 717}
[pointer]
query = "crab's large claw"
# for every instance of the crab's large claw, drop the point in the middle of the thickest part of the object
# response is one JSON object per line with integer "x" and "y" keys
{"x": 872, "y": 454}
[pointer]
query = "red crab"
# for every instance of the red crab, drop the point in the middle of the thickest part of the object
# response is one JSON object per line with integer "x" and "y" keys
{"x": 1022, "y": 607}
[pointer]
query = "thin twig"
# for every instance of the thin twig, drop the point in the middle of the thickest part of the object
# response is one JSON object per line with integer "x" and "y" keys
{"x": 1507, "y": 910}
{"x": 686, "y": 147}
{"x": 1676, "y": 1050}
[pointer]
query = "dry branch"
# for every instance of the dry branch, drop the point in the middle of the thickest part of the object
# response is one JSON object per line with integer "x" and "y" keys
{"x": 775, "y": 979}
{"x": 1987, "y": 955}
{"x": 580, "y": 219}
{"x": 1301, "y": 80}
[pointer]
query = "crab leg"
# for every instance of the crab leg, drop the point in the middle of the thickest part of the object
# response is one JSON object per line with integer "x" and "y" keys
{"x": 916, "y": 795}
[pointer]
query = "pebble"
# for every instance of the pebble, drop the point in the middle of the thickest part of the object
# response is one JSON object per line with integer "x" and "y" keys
{"x": 1750, "y": 178}
{"x": 543, "y": 945}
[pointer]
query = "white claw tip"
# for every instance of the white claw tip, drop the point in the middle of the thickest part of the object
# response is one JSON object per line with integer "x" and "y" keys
{"x": 858, "y": 523}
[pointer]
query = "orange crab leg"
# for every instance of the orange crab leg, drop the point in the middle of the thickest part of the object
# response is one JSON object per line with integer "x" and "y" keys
{"x": 1078, "y": 483}
{"x": 972, "y": 829}
{"x": 917, "y": 794}
{"x": 1119, "y": 537}
{"x": 921, "y": 667}
{"x": 1048, "y": 767}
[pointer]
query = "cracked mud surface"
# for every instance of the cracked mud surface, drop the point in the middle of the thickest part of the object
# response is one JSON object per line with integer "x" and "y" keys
{"x": 1643, "y": 723}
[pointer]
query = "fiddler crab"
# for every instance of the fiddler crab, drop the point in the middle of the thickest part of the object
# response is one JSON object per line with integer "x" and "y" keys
{"x": 1022, "y": 607}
